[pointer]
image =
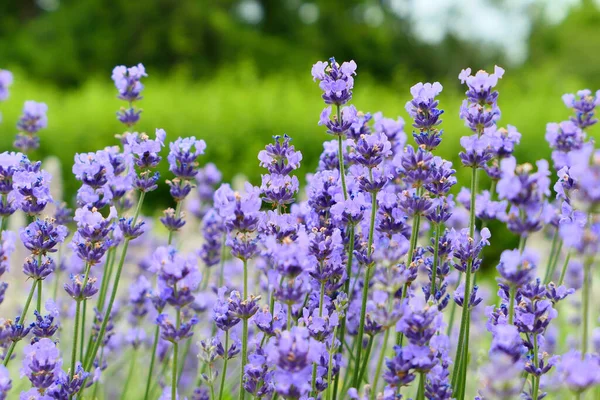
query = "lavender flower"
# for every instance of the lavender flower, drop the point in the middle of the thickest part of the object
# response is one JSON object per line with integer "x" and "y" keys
{"x": 5, "y": 382}
{"x": 174, "y": 334}
{"x": 517, "y": 268}
{"x": 335, "y": 80}
{"x": 33, "y": 119}
{"x": 423, "y": 109}
{"x": 280, "y": 157}
{"x": 183, "y": 164}
{"x": 579, "y": 373}
{"x": 31, "y": 189}
{"x": 292, "y": 353}
{"x": 41, "y": 236}
{"x": 6, "y": 79}
{"x": 42, "y": 363}
{"x": 7, "y": 247}
{"x": 128, "y": 83}
{"x": 583, "y": 104}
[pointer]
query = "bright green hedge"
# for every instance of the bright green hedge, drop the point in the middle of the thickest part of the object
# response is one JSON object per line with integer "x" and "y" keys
{"x": 237, "y": 113}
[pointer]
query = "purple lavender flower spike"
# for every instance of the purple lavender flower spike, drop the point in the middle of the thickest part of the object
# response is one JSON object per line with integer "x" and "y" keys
{"x": 564, "y": 138}
{"x": 127, "y": 81}
{"x": 223, "y": 314}
{"x": 360, "y": 126}
{"x": 399, "y": 370}
{"x": 78, "y": 291}
{"x": 34, "y": 394}
{"x": 371, "y": 150}
{"x": 423, "y": 109}
{"x": 42, "y": 236}
{"x": 5, "y": 382}
{"x": 38, "y": 268}
{"x": 335, "y": 80}
{"x": 338, "y": 126}
{"x": 579, "y": 373}
{"x": 280, "y": 157}
{"x": 31, "y": 189}
{"x": 6, "y": 79}
{"x": 169, "y": 332}
{"x": 517, "y": 268}
{"x": 7, "y": 247}
{"x": 583, "y": 104}
{"x": 183, "y": 164}
{"x": 292, "y": 353}
{"x": 42, "y": 363}
{"x": 33, "y": 119}
{"x": 258, "y": 378}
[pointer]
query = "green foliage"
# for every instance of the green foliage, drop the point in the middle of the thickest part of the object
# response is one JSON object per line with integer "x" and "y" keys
{"x": 237, "y": 112}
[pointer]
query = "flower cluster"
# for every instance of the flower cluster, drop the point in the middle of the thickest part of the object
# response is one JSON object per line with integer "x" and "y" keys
{"x": 365, "y": 284}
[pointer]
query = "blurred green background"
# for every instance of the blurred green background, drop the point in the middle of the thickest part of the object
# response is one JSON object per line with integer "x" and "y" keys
{"x": 237, "y": 72}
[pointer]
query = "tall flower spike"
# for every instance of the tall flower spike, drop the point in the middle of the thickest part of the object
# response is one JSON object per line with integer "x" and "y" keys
{"x": 42, "y": 363}
{"x": 33, "y": 119}
{"x": 5, "y": 382}
{"x": 128, "y": 83}
{"x": 31, "y": 188}
{"x": 583, "y": 104}
{"x": 183, "y": 163}
{"x": 423, "y": 109}
{"x": 6, "y": 79}
{"x": 335, "y": 80}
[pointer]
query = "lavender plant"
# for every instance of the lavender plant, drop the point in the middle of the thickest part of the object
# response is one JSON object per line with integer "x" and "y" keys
{"x": 367, "y": 284}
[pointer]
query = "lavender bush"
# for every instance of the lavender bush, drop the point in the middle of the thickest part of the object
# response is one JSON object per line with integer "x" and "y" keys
{"x": 365, "y": 285}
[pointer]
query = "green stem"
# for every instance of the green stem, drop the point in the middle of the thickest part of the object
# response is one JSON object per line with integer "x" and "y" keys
{"x": 21, "y": 321}
{"x": 225, "y": 359}
{"x": 314, "y": 370}
{"x": 436, "y": 244}
{"x": 222, "y": 261}
{"x": 244, "y": 355}
{"x": 587, "y": 280}
{"x": 341, "y": 156}
{"x": 347, "y": 291}
{"x": 113, "y": 295}
{"x": 39, "y": 295}
{"x": 330, "y": 365}
{"x": 452, "y": 314}
{"x": 75, "y": 333}
{"x": 511, "y": 304}
{"x": 152, "y": 360}
{"x": 522, "y": 243}
{"x": 553, "y": 254}
{"x": 536, "y": 381}
{"x": 380, "y": 364}
{"x": 129, "y": 374}
{"x": 245, "y": 279}
{"x": 421, "y": 390}
{"x": 365, "y": 363}
{"x": 57, "y": 272}
{"x": 97, "y": 385}
{"x": 82, "y": 335}
{"x": 245, "y": 335}
{"x": 414, "y": 238}
{"x": 211, "y": 385}
{"x": 365, "y": 292}
{"x": 462, "y": 350}
{"x": 186, "y": 350}
{"x": 465, "y": 363}
{"x": 564, "y": 269}
{"x": 108, "y": 267}
{"x": 175, "y": 354}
